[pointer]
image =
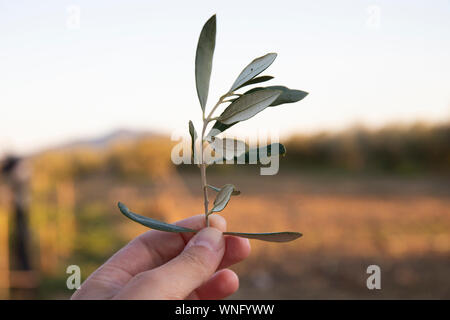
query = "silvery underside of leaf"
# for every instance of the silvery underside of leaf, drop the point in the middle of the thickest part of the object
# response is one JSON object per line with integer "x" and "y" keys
{"x": 248, "y": 106}
{"x": 227, "y": 148}
{"x": 253, "y": 69}
{"x": 223, "y": 197}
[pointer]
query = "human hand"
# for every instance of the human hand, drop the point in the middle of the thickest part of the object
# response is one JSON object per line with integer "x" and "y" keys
{"x": 164, "y": 265}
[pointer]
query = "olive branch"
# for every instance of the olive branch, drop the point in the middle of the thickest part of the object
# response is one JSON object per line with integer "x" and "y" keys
{"x": 242, "y": 106}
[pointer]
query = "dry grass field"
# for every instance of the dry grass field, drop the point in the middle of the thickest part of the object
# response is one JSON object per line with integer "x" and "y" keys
{"x": 349, "y": 223}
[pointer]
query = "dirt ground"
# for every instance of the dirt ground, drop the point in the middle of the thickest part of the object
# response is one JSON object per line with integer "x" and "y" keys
{"x": 348, "y": 223}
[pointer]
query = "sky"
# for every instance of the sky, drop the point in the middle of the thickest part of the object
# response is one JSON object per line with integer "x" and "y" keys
{"x": 78, "y": 69}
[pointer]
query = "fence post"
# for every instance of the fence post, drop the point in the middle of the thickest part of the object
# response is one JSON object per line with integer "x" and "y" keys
{"x": 4, "y": 255}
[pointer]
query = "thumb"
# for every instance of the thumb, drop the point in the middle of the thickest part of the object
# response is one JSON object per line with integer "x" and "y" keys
{"x": 180, "y": 276}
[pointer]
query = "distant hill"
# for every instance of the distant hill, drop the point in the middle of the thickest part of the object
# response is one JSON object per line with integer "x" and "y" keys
{"x": 122, "y": 135}
{"x": 102, "y": 142}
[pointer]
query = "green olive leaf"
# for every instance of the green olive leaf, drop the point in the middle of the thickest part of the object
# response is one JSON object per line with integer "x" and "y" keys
{"x": 162, "y": 226}
{"x": 234, "y": 193}
{"x": 271, "y": 236}
{"x": 218, "y": 128}
{"x": 203, "y": 59}
{"x": 151, "y": 223}
{"x": 287, "y": 95}
{"x": 254, "y": 154}
{"x": 254, "y": 81}
{"x": 222, "y": 198}
{"x": 228, "y": 148}
{"x": 253, "y": 69}
{"x": 193, "y": 134}
{"x": 248, "y": 105}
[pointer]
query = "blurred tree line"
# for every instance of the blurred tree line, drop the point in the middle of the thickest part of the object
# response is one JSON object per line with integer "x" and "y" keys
{"x": 144, "y": 158}
{"x": 417, "y": 148}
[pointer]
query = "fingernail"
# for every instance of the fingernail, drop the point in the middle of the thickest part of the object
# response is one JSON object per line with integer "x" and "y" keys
{"x": 210, "y": 238}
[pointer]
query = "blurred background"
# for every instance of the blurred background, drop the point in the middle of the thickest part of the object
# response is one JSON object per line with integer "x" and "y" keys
{"x": 91, "y": 92}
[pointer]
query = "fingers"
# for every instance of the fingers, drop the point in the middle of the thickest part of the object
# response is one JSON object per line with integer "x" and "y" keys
{"x": 215, "y": 221}
{"x": 182, "y": 275}
{"x": 149, "y": 250}
{"x": 222, "y": 284}
{"x": 237, "y": 249}
{"x": 160, "y": 247}
{"x": 154, "y": 248}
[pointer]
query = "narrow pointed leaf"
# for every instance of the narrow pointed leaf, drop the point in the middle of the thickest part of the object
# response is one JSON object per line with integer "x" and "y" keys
{"x": 255, "y": 80}
{"x": 193, "y": 134}
{"x": 271, "y": 236}
{"x": 287, "y": 95}
{"x": 152, "y": 223}
{"x": 222, "y": 198}
{"x": 203, "y": 59}
{"x": 253, "y": 69}
{"x": 228, "y": 148}
{"x": 257, "y": 153}
{"x": 248, "y": 105}
{"x": 218, "y": 128}
{"x": 234, "y": 193}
